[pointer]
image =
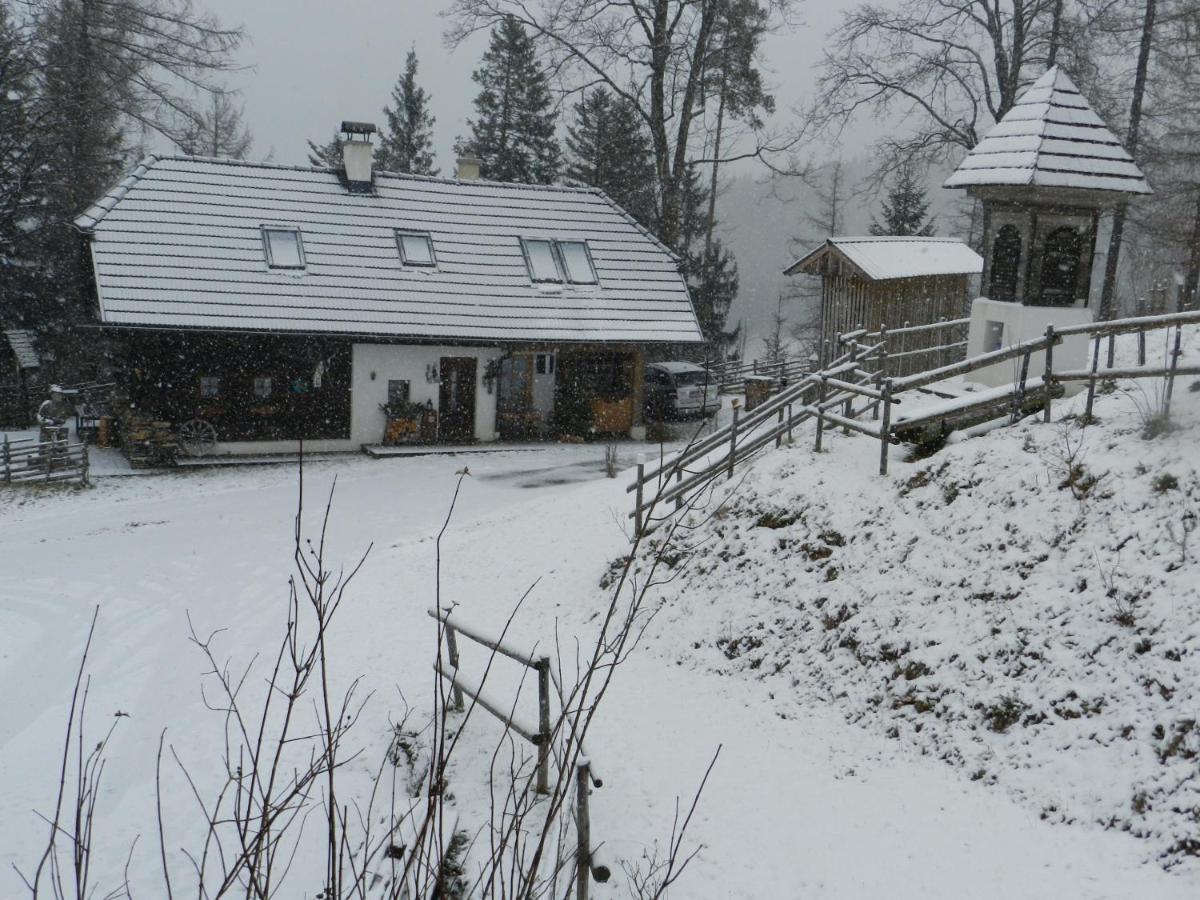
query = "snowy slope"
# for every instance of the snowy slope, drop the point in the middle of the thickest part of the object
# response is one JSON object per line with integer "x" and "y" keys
{"x": 1038, "y": 631}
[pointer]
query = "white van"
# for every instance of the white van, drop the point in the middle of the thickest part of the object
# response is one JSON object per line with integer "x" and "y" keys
{"x": 679, "y": 390}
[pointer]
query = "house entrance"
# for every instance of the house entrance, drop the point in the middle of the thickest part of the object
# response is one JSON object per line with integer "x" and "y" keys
{"x": 456, "y": 399}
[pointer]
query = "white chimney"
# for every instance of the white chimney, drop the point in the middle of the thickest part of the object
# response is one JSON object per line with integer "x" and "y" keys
{"x": 357, "y": 156}
{"x": 468, "y": 168}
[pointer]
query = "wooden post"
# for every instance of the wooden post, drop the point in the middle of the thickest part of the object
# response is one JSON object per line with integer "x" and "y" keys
{"x": 820, "y": 415}
{"x": 1112, "y": 350}
{"x": 452, "y": 658}
{"x": 583, "y": 832}
{"x": 885, "y": 426}
{"x": 733, "y": 441}
{"x": 789, "y": 420}
{"x": 1170, "y": 389}
{"x": 848, "y": 406}
{"x": 7, "y": 462}
{"x": 85, "y": 463}
{"x": 543, "y": 772}
{"x": 678, "y": 478}
{"x": 1048, "y": 372}
{"x": 637, "y": 500}
{"x": 882, "y": 373}
{"x": 1091, "y": 397}
{"x": 779, "y": 430}
{"x": 1141, "y": 346}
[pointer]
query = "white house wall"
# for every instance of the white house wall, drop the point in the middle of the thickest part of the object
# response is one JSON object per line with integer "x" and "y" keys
{"x": 374, "y": 365}
{"x": 1025, "y": 323}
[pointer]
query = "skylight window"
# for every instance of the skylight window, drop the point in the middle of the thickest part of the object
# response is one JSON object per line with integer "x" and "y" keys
{"x": 416, "y": 249}
{"x": 542, "y": 261}
{"x": 577, "y": 261}
{"x": 284, "y": 248}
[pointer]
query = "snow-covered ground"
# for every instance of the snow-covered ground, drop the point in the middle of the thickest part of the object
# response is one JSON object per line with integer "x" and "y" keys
{"x": 801, "y": 802}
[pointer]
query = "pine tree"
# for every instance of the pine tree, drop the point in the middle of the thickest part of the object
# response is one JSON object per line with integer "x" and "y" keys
{"x": 608, "y": 148}
{"x": 406, "y": 144}
{"x": 218, "y": 132}
{"x": 712, "y": 276}
{"x": 905, "y": 209}
{"x": 514, "y": 130}
{"x": 326, "y": 156}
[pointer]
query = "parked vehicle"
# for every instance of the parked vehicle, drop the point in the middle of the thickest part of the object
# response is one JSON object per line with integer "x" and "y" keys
{"x": 679, "y": 390}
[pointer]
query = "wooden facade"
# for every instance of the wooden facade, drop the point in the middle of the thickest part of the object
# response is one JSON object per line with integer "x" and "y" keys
{"x": 880, "y": 282}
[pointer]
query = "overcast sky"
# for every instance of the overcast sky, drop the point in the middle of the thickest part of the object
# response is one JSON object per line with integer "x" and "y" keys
{"x": 317, "y": 62}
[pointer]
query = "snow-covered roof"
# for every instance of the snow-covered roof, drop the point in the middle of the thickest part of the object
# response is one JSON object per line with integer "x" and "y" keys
{"x": 1051, "y": 138}
{"x": 881, "y": 258}
{"x": 21, "y": 342}
{"x": 179, "y": 244}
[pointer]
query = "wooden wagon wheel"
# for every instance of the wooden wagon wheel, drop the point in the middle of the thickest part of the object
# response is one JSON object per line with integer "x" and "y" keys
{"x": 197, "y": 437}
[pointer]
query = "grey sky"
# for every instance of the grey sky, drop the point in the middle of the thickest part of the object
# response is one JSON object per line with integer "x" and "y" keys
{"x": 317, "y": 62}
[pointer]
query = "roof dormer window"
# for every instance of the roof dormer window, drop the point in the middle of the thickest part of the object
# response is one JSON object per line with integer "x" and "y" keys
{"x": 541, "y": 260}
{"x": 577, "y": 261}
{"x": 416, "y": 249}
{"x": 283, "y": 247}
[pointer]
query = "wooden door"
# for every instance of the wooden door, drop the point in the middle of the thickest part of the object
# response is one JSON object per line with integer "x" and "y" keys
{"x": 456, "y": 399}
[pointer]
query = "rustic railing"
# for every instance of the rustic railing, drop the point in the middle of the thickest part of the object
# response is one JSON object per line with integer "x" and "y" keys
{"x": 850, "y": 379}
{"x": 26, "y": 461}
{"x": 590, "y": 859}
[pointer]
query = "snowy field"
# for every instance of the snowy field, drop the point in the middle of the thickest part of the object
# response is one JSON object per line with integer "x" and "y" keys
{"x": 800, "y": 804}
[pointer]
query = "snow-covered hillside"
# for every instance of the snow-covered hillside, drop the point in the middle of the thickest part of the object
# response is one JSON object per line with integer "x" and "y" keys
{"x": 1024, "y": 605}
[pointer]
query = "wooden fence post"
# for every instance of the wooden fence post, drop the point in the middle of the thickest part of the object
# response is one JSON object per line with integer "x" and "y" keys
{"x": 1170, "y": 389}
{"x": 543, "y": 772}
{"x": 733, "y": 441}
{"x": 848, "y": 406}
{"x": 1141, "y": 346}
{"x": 86, "y": 464}
{"x": 779, "y": 430}
{"x": 1048, "y": 372}
{"x": 789, "y": 422}
{"x": 583, "y": 832}
{"x": 7, "y": 462}
{"x": 637, "y": 508}
{"x": 1112, "y": 350}
{"x": 820, "y": 413}
{"x": 885, "y": 426}
{"x": 678, "y": 479}
{"x": 452, "y": 657}
{"x": 1091, "y": 397}
{"x": 882, "y": 373}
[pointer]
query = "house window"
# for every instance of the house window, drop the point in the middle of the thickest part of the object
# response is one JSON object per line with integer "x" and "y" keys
{"x": 1006, "y": 263}
{"x": 210, "y": 387}
{"x": 416, "y": 249}
{"x": 262, "y": 388}
{"x": 283, "y": 247}
{"x": 543, "y": 364}
{"x": 1060, "y": 267}
{"x": 397, "y": 393}
{"x": 542, "y": 261}
{"x": 577, "y": 261}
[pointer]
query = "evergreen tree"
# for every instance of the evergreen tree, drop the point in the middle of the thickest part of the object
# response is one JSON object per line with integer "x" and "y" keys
{"x": 406, "y": 144}
{"x": 608, "y": 148}
{"x": 326, "y": 156}
{"x": 218, "y": 132}
{"x": 905, "y": 209}
{"x": 514, "y": 130}
{"x": 712, "y": 276}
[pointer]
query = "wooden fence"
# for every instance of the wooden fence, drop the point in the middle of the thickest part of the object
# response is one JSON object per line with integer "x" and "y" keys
{"x": 858, "y": 383}
{"x": 26, "y": 461}
{"x": 589, "y": 859}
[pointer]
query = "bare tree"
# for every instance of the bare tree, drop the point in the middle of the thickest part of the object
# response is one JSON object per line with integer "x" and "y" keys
{"x": 218, "y": 131}
{"x": 949, "y": 67}
{"x": 654, "y": 54}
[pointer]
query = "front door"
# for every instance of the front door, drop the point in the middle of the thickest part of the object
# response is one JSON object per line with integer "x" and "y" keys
{"x": 456, "y": 399}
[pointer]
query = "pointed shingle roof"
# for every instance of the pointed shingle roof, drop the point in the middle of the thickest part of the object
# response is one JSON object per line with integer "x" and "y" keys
{"x": 1051, "y": 138}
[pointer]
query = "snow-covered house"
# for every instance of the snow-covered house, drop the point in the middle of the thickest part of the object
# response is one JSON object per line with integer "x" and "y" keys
{"x": 1046, "y": 173}
{"x": 279, "y": 302}
{"x": 890, "y": 281}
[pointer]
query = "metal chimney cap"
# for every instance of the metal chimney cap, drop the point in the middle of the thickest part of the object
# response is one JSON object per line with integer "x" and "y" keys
{"x": 358, "y": 128}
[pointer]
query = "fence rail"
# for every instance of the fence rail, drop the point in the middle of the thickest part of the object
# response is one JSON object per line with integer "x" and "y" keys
{"x": 849, "y": 379}
{"x": 25, "y": 461}
{"x": 591, "y": 860}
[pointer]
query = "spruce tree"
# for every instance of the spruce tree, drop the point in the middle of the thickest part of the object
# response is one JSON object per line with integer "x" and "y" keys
{"x": 326, "y": 156}
{"x": 608, "y": 148}
{"x": 904, "y": 211}
{"x": 406, "y": 144}
{"x": 514, "y": 129}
